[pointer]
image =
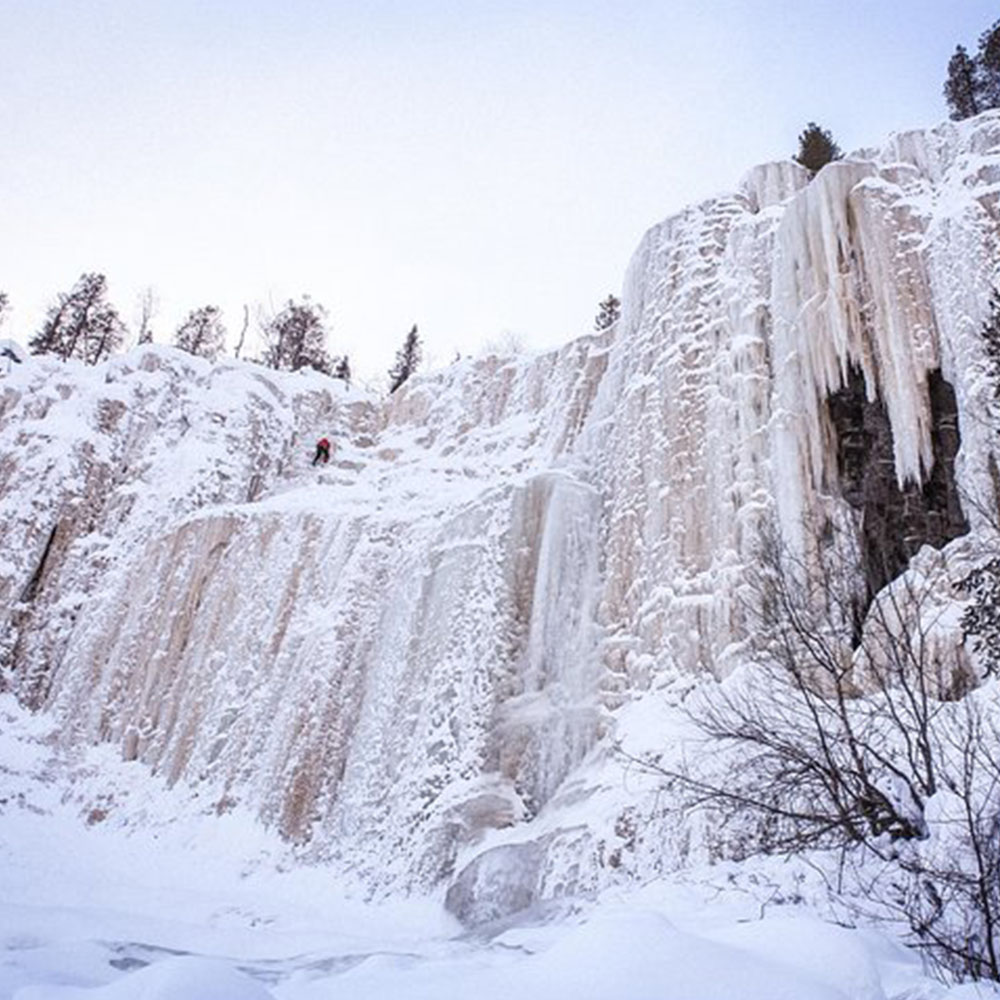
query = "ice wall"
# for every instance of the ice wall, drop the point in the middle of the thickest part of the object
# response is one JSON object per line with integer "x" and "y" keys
{"x": 415, "y": 661}
{"x": 741, "y": 317}
{"x": 401, "y": 641}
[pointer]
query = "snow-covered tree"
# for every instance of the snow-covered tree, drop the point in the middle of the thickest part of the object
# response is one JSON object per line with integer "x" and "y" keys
{"x": 4, "y": 307}
{"x": 861, "y": 750}
{"x": 343, "y": 370}
{"x": 296, "y": 338}
{"x": 82, "y": 324}
{"x": 608, "y": 312}
{"x": 981, "y": 619}
{"x": 407, "y": 360}
{"x": 202, "y": 333}
{"x": 816, "y": 148}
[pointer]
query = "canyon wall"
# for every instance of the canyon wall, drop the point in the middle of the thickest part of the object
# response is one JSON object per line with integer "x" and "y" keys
{"x": 415, "y": 661}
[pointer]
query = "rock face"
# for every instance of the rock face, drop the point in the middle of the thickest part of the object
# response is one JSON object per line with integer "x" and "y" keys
{"x": 403, "y": 658}
{"x": 895, "y": 520}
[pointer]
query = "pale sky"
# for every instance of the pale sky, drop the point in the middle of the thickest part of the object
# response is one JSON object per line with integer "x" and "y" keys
{"x": 479, "y": 169}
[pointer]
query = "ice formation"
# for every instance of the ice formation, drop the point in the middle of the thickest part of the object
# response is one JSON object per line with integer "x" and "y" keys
{"x": 404, "y": 658}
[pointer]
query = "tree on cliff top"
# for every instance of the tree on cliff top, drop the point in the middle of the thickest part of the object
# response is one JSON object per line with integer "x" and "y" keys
{"x": 82, "y": 324}
{"x": 973, "y": 84}
{"x": 343, "y": 370}
{"x": 202, "y": 333}
{"x": 988, "y": 63}
{"x": 147, "y": 306}
{"x": 407, "y": 360}
{"x": 961, "y": 89}
{"x": 816, "y": 148}
{"x": 608, "y": 312}
{"x": 296, "y": 338}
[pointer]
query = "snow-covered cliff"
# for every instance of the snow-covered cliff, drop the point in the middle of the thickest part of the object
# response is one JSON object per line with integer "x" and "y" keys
{"x": 415, "y": 660}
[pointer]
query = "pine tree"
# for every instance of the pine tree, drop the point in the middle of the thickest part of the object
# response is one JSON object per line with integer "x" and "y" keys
{"x": 202, "y": 333}
{"x": 987, "y": 65}
{"x": 407, "y": 360}
{"x": 961, "y": 89}
{"x": 296, "y": 338}
{"x": 816, "y": 148}
{"x": 4, "y": 307}
{"x": 608, "y": 312}
{"x": 343, "y": 370}
{"x": 81, "y": 324}
{"x": 973, "y": 84}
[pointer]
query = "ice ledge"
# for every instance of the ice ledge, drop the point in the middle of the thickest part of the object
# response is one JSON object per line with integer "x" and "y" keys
{"x": 770, "y": 184}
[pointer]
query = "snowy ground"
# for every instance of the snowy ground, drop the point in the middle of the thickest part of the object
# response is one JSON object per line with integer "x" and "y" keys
{"x": 188, "y": 904}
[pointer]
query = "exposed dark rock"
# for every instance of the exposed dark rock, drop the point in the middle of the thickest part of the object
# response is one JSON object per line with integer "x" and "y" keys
{"x": 33, "y": 585}
{"x": 895, "y": 522}
{"x": 33, "y": 686}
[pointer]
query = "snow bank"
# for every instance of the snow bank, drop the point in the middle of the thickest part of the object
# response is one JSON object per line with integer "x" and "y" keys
{"x": 173, "y": 979}
{"x": 187, "y": 904}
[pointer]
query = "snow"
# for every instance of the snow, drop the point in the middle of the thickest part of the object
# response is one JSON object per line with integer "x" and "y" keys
{"x": 170, "y": 979}
{"x": 415, "y": 664}
{"x": 166, "y": 900}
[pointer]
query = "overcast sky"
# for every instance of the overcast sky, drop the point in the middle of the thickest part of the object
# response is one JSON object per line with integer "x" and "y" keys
{"x": 480, "y": 169}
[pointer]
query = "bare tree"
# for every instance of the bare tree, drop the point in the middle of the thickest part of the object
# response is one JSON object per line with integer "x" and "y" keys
{"x": 506, "y": 342}
{"x": 243, "y": 331}
{"x": 948, "y": 887}
{"x": 833, "y": 739}
{"x": 148, "y": 307}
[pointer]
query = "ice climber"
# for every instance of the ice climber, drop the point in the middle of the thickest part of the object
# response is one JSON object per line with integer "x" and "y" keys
{"x": 322, "y": 451}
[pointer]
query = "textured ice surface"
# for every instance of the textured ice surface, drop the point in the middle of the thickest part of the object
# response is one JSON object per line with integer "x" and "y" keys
{"x": 425, "y": 650}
